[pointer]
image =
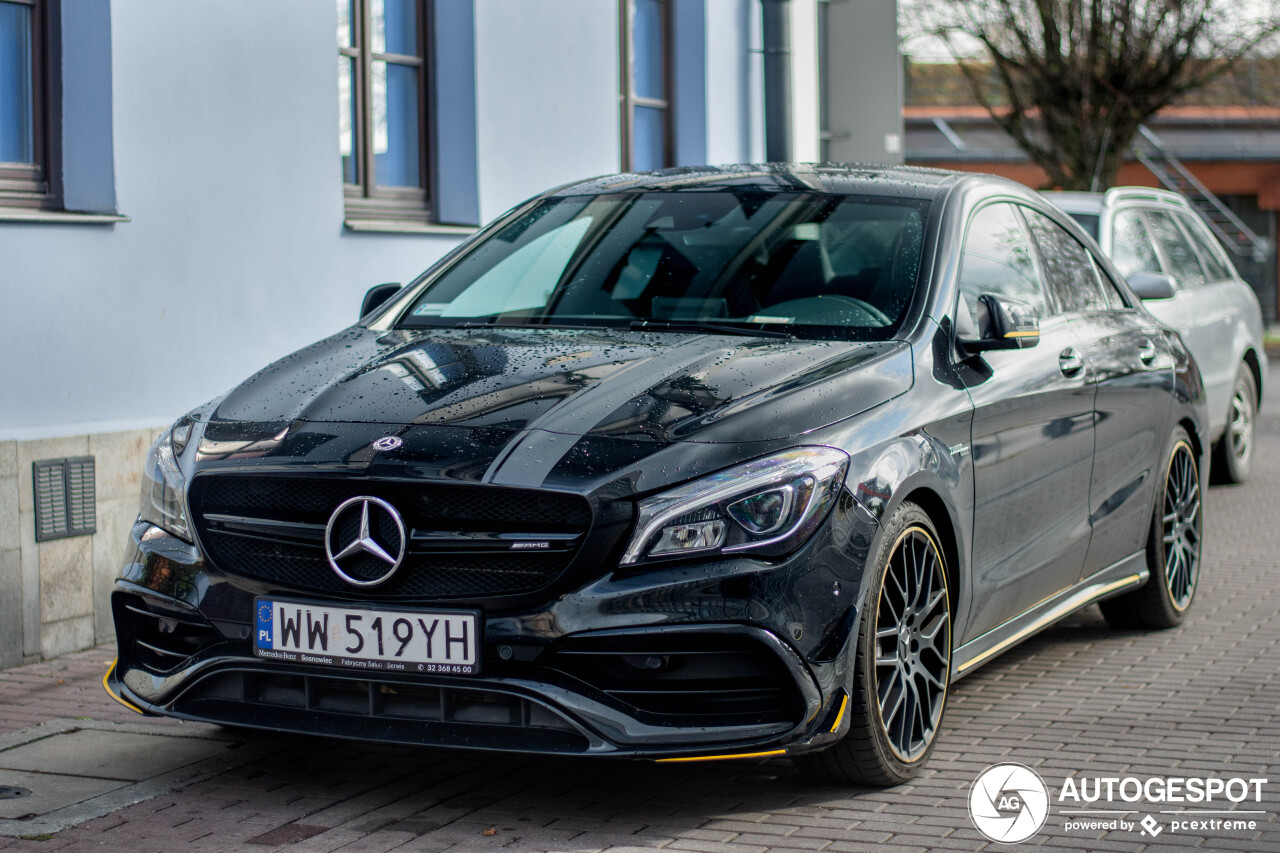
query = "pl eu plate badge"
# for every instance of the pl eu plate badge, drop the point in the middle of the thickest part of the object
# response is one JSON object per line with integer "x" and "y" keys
{"x": 264, "y": 624}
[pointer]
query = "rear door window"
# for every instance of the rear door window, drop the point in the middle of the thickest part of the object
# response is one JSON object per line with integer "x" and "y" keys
{"x": 1180, "y": 259}
{"x": 1131, "y": 247}
{"x": 1210, "y": 254}
{"x": 1067, "y": 265}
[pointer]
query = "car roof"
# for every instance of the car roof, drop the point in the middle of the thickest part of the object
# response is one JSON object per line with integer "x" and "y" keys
{"x": 1079, "y": 202}
{"x": 844, "y": 178}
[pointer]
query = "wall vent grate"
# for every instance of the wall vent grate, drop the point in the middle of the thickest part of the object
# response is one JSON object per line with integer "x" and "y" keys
{"x": 66, "y": 500}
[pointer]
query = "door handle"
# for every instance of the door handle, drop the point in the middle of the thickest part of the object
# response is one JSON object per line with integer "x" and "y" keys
{"x": 1070, "y": 362}
{"x": 1147, "y": 351}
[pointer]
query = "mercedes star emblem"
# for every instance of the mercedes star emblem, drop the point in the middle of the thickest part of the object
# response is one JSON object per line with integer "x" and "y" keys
{"x": 367, "y": 546}
{"x": 387, "y": 442}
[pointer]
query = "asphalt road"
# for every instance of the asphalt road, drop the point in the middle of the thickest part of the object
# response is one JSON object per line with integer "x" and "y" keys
{"x": 1079, "y": 701}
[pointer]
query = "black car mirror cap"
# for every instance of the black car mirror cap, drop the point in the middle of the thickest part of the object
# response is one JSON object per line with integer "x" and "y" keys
{"x": 1004, "y": 323}
{"x": 377, "y": 296}
{"x": 1152, "y": 285}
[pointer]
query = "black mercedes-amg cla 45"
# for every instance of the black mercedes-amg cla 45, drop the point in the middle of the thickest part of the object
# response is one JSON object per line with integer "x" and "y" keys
{"x": 696, "y": 464}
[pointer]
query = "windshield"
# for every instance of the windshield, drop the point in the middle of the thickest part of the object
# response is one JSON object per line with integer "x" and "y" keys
{"x": 806, "y": 263}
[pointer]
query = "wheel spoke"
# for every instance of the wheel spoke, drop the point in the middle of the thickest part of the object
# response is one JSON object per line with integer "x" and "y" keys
{"x": 932, "y": 604}
{"x": 898, "y": 612}
{"x": 932, "y": 679}
{"x": 922, "y": 718}
{"x": 899, "y": 723}
{"x": 917, "y": 578}
{"x": 1172, "y": 561}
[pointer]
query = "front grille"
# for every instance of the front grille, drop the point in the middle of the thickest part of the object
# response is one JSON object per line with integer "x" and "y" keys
{"x": 421, "y": 575}
{"x": 270, "y": 528}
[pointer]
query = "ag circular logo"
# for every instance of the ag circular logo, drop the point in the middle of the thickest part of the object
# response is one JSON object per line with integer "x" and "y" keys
{"x": 365, "y": 541}
{"x": 1008, "y": 803}
{"x": 387, "y": 442}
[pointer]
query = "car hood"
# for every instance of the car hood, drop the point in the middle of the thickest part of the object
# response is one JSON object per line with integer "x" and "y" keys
{"x": 569, "y": 409}
{"x": 659, "y": 386}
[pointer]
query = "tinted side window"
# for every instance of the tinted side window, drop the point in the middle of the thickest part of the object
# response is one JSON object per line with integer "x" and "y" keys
{"x": 1088, "y": 221}
{"x": 1109, "y": 288}
{"x": 1178, "y": 254}
{"x": 1067, "y": 265}
{"x": 997, "y": 260}
{"x": 1207, "y": 244}
{"x": 1131, "y": 247}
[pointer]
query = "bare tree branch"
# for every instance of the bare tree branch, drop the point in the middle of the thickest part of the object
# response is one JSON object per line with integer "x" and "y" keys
{"x": 1071, "y": 81}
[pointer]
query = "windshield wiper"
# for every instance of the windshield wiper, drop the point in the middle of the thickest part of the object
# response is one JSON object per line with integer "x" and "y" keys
{"x": 667, "y": 326}
{"x": 495, "y": 324}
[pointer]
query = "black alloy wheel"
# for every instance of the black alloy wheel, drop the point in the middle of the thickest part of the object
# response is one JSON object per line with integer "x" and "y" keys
{"x": 902, "y": 666}
{"x": 1173, "y": 548}
{"x": 913, "y": 645}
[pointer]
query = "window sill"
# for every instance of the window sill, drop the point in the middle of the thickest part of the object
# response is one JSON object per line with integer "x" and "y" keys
{"x": 403, "y": 226}
{"x": 57, "y": 217}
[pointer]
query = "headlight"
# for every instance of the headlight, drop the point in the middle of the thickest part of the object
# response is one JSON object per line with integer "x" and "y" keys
{"x": 769, "y": 505}
{"x": 164, "y": 488}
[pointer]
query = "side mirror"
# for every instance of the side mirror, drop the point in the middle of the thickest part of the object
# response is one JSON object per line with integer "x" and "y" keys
{"x": 1004, "y": 323}
{"x": 1152, "y": 285}
{"x": 377, "y": 296}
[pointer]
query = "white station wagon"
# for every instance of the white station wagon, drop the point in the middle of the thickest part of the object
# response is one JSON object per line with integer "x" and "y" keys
{"x": 1186, "y": 280}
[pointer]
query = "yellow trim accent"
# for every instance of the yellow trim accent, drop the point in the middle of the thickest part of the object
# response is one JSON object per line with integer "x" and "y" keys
{"x": 724, "y": 757}
{"x": 844, "y": 703}
{"x": 1068, "y": 606}
{"x": 1022, "y": 334}
{"x": 112, "y": 693}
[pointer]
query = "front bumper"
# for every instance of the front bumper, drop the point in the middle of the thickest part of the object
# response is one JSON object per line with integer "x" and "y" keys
{"x": 753, "y": 658}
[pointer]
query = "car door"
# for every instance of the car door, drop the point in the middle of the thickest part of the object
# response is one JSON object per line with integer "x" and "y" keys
{"x": 1198, "y": 312}
{"x": 1032, "y": 434}
{"x": 1132, "y": 369}
{"x": 1236, "y": 311}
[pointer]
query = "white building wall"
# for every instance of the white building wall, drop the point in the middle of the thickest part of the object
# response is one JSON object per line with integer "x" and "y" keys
{"x": 805, "y": 118}
{"x": 547, "y": 94}
{"x": 735, "y": 82}
{"x": 225, "y": 119}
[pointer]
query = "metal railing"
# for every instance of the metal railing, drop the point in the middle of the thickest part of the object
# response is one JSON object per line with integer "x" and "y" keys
{"x": 1229, "y": 228}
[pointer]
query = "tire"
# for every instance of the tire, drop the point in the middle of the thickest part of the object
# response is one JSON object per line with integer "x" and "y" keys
{"x": 1173, "y": 547}
{"x": 1233, "y": 456}
{"x": 904, "y": 642}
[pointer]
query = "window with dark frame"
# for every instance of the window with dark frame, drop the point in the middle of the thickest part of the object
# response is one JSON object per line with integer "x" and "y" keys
{"x": 383, "y": 86}
{"x": 24, "y": 109}
{"x": 646, "y": 84}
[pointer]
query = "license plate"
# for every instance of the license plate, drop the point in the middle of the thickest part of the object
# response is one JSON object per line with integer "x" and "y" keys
{"x": 366, "y": 638}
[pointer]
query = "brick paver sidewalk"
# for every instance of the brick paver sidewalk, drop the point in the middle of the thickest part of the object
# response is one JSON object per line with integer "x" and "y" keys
{"x": 1079, "y": 699}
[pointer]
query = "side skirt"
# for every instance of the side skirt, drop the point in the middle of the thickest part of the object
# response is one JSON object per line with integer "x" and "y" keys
{"x": 1126, "y": 574}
